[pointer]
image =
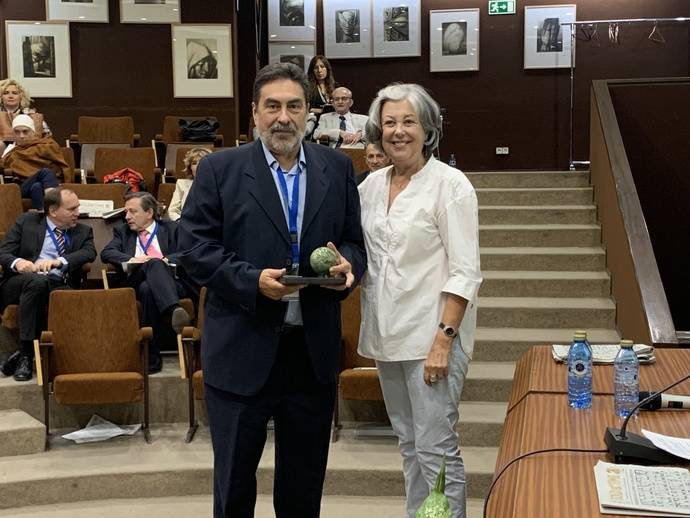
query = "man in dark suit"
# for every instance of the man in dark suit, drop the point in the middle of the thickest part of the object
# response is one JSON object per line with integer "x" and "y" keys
{"x": 147, "y": 247}
{"x": 42, "y": 252}
{"x": 253, "y": 214}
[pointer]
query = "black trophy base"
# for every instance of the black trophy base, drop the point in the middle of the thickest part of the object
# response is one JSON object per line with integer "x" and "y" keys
{"x": 635, "y": 449}
{"x": 292, "y": 280}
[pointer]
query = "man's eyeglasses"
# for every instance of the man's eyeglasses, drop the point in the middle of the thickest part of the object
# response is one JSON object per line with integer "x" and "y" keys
{"x": 339, "y": 99}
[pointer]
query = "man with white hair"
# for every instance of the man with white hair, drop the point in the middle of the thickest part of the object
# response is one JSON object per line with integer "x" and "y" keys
{"x": 342, "y": 127}
{"x": 36, "y": 161}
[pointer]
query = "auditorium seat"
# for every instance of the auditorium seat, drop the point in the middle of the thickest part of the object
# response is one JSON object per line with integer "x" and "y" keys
{"x": 191, "y": 347}
{"x": 358, "y": 157}
{"x": 114, "y": 192}
{"x": 165, "y": 194}
{"x": 142, "y": 160}
{"x": 166, "y": 142}
{"x": 10, "y": 207}
{"x": 106, "y": 130}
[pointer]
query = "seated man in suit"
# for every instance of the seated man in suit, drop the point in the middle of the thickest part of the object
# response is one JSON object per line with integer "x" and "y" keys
{"x": 149, "y": 245}
{"x": 375, "y": 158}
{"x": 37, "y": 161}
{"x": 41, "y": 253}
{"x": 342, "y": 127}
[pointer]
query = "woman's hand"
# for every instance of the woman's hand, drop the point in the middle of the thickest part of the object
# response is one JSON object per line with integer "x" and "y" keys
{"x": 436, "y": 364}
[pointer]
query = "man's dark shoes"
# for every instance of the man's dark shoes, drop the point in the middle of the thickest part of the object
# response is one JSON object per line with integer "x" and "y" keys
{"x": 155, "y": 363}
{"x": 24, "y": 369}
{"x": 8, "y": 366}
{"x": 179, "y": 319}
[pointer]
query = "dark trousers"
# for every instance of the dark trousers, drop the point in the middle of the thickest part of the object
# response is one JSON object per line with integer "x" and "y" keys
{"x": 34, "y": 187}
{"x": 159, "y": 292}
{"x": 31, "y": 292}
{"x": 302, "y": 410}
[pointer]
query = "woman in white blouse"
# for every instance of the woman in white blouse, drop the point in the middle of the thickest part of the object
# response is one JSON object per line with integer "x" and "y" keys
{"x": 419, "y": 218}
{"x": 191, "y": 161}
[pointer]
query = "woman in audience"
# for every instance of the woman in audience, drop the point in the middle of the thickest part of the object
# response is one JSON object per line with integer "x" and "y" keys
{"x": 321, "y": 82}
{"x": 15, "y": 100}
{"x": 419, "y": 218}
{"x": 191, "y": 161}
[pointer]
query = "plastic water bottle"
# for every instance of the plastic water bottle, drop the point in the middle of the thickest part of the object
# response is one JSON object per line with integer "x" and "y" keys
{"x": 626, "y": 381}
{"x": 580, "y": 372}
{"x": 451, "y": 161}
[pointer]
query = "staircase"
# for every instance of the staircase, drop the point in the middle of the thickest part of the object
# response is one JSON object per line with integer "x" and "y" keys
{"x": 544, "y": 277}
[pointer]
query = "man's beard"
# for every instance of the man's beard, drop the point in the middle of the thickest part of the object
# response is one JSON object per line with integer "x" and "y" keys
{"x": 282, "y": 139}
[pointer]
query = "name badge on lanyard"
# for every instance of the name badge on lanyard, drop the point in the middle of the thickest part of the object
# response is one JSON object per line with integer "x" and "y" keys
{"x": 293, "y": 208}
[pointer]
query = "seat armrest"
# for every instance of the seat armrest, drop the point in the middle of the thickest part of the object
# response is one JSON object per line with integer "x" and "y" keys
{"x": 218, "y": 142}
{"x": 135, "y": 139}
{"x": 145, "y": 334}
{"x": 190, "y": 333}
{"x": 46, "y": 339}
{"x": 74, "y": 138}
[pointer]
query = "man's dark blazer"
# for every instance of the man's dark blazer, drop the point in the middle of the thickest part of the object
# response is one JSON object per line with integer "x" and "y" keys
{"x": 232, "y": 227}
{"x": 25, "y": 240}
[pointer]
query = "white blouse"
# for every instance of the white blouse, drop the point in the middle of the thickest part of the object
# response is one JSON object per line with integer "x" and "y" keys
{"x": 427, "y": 245}
{"x": 179, "y": 198}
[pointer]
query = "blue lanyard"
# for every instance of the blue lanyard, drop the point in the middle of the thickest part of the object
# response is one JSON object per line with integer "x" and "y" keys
{"x": 292, "y": 211}
{"x": 68, "y": 241}
{"x": 148, "y": 243}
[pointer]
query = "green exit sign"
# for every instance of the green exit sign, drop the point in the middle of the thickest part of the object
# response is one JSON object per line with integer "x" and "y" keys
{"x": 501, "y": 6}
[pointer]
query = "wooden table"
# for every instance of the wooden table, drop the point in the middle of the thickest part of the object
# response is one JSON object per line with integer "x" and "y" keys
{"x": 562, "y": 484}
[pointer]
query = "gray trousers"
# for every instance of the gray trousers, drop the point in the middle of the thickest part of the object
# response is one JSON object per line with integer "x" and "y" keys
{"x": 424, "y": 419}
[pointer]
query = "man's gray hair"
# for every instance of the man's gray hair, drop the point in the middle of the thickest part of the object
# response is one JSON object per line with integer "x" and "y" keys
{"x": 147, "y": 200}
{"x": 428, "y": 113}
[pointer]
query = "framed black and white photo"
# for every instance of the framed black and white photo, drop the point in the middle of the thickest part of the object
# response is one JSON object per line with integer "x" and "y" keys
{"x": 299, "y": 54}
{"x": 77, "y": 10}
{"x": 202, "y": 60}
{"x": 347, "y": 28}
{"x": 38, "y": 56}
{"x": 149, "y": 11}
{"x": 547, "y": 42}
{"x": 291, "y": 20}
{"x": 454, "y": 40}
{"x": 396, "y": 28}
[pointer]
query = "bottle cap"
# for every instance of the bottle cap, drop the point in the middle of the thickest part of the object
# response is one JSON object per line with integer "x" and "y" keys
{"x": 627, "y": 344}
{"x": 581, "y": 335}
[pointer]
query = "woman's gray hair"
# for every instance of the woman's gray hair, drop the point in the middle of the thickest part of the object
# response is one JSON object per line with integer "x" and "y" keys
{"x": 428, "y": 113}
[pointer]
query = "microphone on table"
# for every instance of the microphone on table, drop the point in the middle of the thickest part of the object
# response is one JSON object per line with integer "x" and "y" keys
{"x": 630, "y": 448}
{"x": 662, "y": 401}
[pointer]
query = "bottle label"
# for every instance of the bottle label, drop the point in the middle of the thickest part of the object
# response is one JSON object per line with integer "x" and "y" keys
{"x": 579, "y": 368}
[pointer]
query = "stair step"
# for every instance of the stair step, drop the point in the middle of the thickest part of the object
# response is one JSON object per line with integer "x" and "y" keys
{"x": 202, "y": 505}
{"x": 488, "y": 381}
{"x": 481, "y": 423}
{"x": 547, "y": 196}
{"x": 543, "y": 258}
{"x": 529, "y": 179}
{"x": 510, "y": 343}
{"x": 130, "y": 468}
{"x": 515, "y": 283}
{"x": 546, "y": 312}
{"x": 537, "y": 215}
{"x": 20, "y": 434}
{"x": 539, "y": 235}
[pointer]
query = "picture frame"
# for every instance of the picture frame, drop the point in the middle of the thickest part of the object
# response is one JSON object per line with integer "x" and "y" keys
{"x": 150, "y": 11}
{"x": 397, "y": 28}
{"x": 347, "y": 28}
{"x": 202, "y": 60}
{"x": 291, "y": 20}
{"x": 453, "y": 40}
{"x": 547, "y": 43}
{"x": 77, "y": 10}
{"x": 299, "y": 54}
{"x": 39, "y": 57}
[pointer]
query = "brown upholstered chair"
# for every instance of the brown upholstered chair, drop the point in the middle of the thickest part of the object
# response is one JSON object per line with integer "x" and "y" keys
{"x": 358, "y": 157}
{"x": 87, "y": 157}
{"x": 10, "y": 207}
{"x": 106, "y": 130}
{"x": 165, "y": 194}
{"x": 357, "y": 379}
{"x": 99, "y": 191}
{"x": 171, "y": 134}
{"x": 94, "y": 352}
{"x": 68, "y": 174}
{"x": 191, "y": 347}
{"x": 142, "y": 160}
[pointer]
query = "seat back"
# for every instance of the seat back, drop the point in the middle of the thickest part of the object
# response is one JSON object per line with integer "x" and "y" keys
{"x": 98, "y": 191}
{"x": 165, "y": 194}
{"x": 68, "y": 155}
{"x": 171, "y": 127}
{"x": 94, "y": 331}
{"x": 142, "y": 160}
{"x": 350, "y": 317}
{"x": 106, "y": 130}
{"x": 10, "y": 206}
{"x": 174, "y": 157}
{"x": 358, "y": 157}
{"x": 88, "y": 154}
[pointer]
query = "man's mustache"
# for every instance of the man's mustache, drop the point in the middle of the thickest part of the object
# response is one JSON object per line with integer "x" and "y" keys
{"x": 283, "y": 127}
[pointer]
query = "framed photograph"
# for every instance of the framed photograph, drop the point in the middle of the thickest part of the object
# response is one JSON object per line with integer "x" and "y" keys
{"x": 547, "y": 42}
{"x": 347, "y": 28}
{"x": 397, "y": 29}
{"x": 77, "y": 10}
{"x": 291, "y": 20}
{"x": 149, "y": 11}
{"x": 454, "y": 40}
{"x": 299, "y": 54}
{"x": 38, "y": 56}
{"x": 202, "y": 60}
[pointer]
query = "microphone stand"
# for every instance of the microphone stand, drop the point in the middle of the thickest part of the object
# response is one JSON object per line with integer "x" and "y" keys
{"x": 630, "y": 448}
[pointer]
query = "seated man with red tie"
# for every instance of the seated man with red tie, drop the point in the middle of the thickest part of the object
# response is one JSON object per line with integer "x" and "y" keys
{"x": 144, "y": 248}
{"x": 41, "y": 252}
